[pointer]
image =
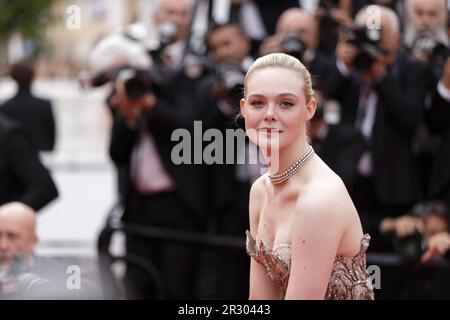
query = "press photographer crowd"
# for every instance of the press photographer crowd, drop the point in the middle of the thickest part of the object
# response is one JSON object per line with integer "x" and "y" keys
{"x": 381, "y": 76}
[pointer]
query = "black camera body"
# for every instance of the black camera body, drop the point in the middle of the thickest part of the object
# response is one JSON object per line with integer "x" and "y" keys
{"x": 410, "y": 248}
{"x": 367, "y": 41}
{"x": 229, "y": 79}
{"x": 136, "y": 82}
{"x": 436, "y": 52}
{"x": 293, "y": 45}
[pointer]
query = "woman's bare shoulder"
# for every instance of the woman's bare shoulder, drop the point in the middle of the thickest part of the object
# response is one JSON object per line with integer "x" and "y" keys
{"x": 258, "y": 189}
{"x": 327, "y": 199}
{"x": 257, "y": 195}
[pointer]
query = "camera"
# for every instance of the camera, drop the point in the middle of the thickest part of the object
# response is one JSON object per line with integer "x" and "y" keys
{"x": 229, "y": 81}
{"x": 410, "y": 248}
{"x": 435, "y": 51}
{"x": 167, "y": 31}
{"x": 293, "y": 45}
{"x": 135, "y": 82}
{"x": 119, "y": 56}
{"x": 434, "y": 215}
{"x": 368, "y": 43}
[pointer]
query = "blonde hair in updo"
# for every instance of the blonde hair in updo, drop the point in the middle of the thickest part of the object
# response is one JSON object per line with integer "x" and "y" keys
{"x": 282, "y": 60}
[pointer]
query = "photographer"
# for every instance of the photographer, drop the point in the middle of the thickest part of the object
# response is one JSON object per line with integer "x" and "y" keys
{"x": 421, "y": 239}
{"x": 160, "y": 192}
{"x": 426, "y": 37}
{"x": 438, "y": 119}
{"x": 297, "y": 35}
{"x": 172, "y": 19}
{"x": 414, "y": 234}
{"x": 382, "y": 92}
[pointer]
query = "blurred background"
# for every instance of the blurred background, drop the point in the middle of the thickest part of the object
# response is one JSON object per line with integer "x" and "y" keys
{"x": 393, "y": 159}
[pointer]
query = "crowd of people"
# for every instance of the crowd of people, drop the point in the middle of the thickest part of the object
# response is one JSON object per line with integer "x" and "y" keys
{"x": 381, "y": 77}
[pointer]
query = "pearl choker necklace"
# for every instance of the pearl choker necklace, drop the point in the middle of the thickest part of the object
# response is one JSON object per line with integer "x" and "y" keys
{"x": 282, "y": 177}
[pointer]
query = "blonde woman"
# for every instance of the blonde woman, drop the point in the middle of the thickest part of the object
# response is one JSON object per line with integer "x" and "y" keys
{"x": 306, "y": 240}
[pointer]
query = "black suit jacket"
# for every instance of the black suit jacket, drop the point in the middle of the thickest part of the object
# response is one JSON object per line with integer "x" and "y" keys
{"x": 321, "y": 69}
{"x": 268, "y": 10}
{"x": 34, "y": 115}
{"x": 401, "y": 97}
{"x": 438, "y": 119}
{"x": 340, "y": 150}
{"x": 22, "y": 176}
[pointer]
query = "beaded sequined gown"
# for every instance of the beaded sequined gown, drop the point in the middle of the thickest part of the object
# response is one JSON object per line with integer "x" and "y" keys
{"x": 349, "y": 279}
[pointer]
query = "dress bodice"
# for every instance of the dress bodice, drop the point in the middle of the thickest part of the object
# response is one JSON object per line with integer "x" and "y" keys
{"x": 349, "y": 278}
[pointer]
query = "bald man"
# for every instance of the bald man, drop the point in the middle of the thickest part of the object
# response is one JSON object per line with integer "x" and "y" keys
{"x": 426, "y": 18}
{"x": 24, "y": 275}
{"x": 176, "y": 15}
{"x": 298, "y": 22}
{"x": 179, "y": 12}
{"x": 385, "y": 104}
{"x": 17, "y": 231}
{"x": 17, "y": 240}
{"x": 302, "y": 23}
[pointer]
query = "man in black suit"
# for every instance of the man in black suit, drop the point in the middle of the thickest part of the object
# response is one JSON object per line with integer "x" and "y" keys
{"x": 438, "y": 119}
{"x": 385, "y": 103}
{"x": 162, "y": 192}
{"x": 22, "y": 176}
{"x": 34, "y": 114}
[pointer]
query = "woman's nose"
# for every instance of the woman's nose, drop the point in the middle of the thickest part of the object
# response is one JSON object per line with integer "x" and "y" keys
{"x": 270, "y": 113}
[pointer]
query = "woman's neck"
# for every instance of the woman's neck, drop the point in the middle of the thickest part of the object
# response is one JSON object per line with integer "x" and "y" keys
{"x": 281, "y": 159}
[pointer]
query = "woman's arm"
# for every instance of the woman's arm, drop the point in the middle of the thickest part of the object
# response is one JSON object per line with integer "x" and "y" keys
{"x": 317, "y": 232}
{"x": 261, "y": 286}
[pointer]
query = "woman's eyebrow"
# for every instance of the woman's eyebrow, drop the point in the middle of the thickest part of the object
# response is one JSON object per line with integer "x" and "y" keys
{"x": 287, "y": 94}
{"x": 256, "y": 95}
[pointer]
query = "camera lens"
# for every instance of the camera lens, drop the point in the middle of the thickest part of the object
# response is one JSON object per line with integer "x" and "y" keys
{"x": 293, "y": 45}
{"x": 367, "y": 42}
{"x": 363, "y": 61}
{"x": 135, "y": 88}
